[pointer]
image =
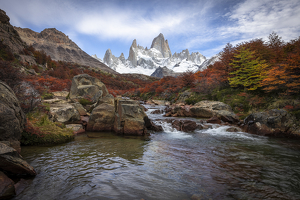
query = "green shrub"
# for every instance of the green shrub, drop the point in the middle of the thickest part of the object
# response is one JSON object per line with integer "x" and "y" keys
{"x": 85, "y": 102}
{"x": 47, "y": 96}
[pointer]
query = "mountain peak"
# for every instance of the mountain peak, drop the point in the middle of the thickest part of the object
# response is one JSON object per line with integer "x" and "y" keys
{"x": 134, "y": 45}
{"x": 161, "y": 45}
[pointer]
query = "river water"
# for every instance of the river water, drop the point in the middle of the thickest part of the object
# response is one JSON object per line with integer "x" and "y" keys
{"x": 206, "y": 164}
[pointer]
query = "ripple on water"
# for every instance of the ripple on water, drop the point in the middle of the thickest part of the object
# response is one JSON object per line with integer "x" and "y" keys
{"x": 207, "y": 164}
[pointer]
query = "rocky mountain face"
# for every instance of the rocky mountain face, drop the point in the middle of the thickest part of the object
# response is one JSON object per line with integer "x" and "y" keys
{"x": 10, "y": 37}
{"x": 59, "y": 47}
{"x": 160, "y": 72}
{"x": 210, "y": 61}
{"x": 145, "y": 61}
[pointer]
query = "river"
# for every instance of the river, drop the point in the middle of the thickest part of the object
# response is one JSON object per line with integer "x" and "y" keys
{"x": 205, "y": 164}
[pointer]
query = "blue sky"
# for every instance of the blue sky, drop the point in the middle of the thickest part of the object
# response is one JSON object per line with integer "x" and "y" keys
{"x": 201, "y": 26}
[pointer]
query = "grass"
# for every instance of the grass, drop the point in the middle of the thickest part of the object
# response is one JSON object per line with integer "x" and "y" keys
{"x": 41, "y": 131}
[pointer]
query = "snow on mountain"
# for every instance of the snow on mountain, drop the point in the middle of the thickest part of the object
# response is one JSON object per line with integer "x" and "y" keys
{"x": 145, "y": 61}
{"x": 210, "y": 61}
{"x": 95, "y": 56}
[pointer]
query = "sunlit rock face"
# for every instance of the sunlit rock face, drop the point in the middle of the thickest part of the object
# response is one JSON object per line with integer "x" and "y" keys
{"x": 146, "y": 61}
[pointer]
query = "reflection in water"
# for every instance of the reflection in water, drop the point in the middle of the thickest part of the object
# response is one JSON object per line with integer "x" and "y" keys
{"x": 206, "y": 164}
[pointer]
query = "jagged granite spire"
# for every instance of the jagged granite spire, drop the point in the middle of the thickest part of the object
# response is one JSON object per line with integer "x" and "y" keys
{"x": 132, "y": 54}
{"x": 107, "y": 57}
{"x": 162, "y": 45}
{"x": 122, "y": 58}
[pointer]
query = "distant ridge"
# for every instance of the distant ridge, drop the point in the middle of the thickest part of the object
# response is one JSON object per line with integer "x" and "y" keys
{"x": 56, "y": 44}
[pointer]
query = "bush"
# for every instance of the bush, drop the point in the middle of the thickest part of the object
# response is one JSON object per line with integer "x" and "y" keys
{"x": 47, "y": 96}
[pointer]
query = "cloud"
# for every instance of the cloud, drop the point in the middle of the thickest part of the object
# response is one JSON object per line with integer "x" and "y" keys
{"x": 257, "y": 19}
{"x": 127, "y": 25}
{"x": 194, "y": 24}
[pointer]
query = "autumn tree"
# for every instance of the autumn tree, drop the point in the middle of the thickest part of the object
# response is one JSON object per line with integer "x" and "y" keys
{"x": 249, "y": 70}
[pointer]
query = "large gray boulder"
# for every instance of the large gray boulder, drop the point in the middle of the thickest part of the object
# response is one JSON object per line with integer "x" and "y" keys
{"x": 64, "y": 113}
{"x": 208, "y": 109}
{"x": 103, "y": 116}
{"x": 205, "y": 109}
{"x": 11, "y": 161}
{"x": 87, "y": 87}
{"x": 12, "y": 118}
{"x": 129, "y": 118}
{"x": 278, "y": 123}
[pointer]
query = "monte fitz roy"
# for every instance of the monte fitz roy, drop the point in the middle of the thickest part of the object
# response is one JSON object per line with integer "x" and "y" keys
{"x": 156, "y": 59}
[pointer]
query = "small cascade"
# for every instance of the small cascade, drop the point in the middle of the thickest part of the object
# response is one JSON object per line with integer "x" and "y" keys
{"x": 172, "y": 132}
{"x": 221, "y": 131}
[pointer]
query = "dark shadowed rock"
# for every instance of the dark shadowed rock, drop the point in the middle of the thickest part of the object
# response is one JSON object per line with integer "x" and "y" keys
{"x": 7, "y": 188}
{"x": 157, "y": 112}
{"x": 12, "y": 118}
{"x": 274, "y": 122}
{"x": 151, "y": 126}
{"x": 11, "y": 161}
{"x": 185, "y": 125}
{"x": 214, "y": 120}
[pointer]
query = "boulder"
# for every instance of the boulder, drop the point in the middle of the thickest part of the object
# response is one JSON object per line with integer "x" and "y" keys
{"x": 87, "y": 87}
{"x": 108, "y": 99}
{"x": 79, "y": 108}
{"x": 214, "y": 120}
{"x": 7, "y": 188}
{"x": 77, "y": 128}
{"x": 12, "y": 118}
{"x": 151, "y": 126}
{"x": 102, "y": 118}
{"x": 129, "y": 118}
{"x": 234, "y": 129}
{"x": 157, "y": 112}
{"x": 207, "y": 109}
{"x": 11, "y": 161}
{"x": 274, "y": 122}
{"x": 185, "y": 125}
{"x": 64, "y": 113}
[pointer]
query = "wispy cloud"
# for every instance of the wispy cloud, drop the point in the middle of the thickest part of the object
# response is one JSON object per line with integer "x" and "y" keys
{"x": 195, "y": 24}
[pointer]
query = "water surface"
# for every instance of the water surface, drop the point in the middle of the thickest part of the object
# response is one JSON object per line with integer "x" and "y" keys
{"x": 206, "y": 164}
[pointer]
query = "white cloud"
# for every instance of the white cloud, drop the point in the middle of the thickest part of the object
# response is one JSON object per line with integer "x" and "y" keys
{"x": 189, "y": 24}
{"x": 258, "y": 18}
{"x": 127, "y": 25}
